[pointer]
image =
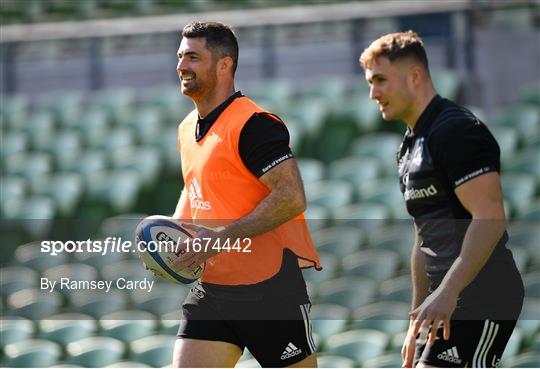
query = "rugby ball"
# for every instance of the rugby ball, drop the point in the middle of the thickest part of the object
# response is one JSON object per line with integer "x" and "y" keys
{"x": 157, "y": 237}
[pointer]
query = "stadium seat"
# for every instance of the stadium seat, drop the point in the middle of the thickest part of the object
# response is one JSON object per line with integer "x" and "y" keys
{"x": 146, "y": 123}
{"x": 524, "y": 118}
{"x": 377, "y": 265}
{"x": 66, "y": 189}
{"x": 390, "y": 317}
{"x": 519, "y": 189}
{"x": 521, "y": 257}
{"x": 169, "y": 323}
{"x": 397, "y": 237}
{"x": 525, "y": 234}
{"x": 507, "y": 138}
{"x": 330, "y": 263}
{"x": 367, "y": 113}
{"x": 317, "y": 217}
{"x": 530, "y": 211}
{"x": 529, "y": 319}
{"x": 347, "y": 292}
{"x": 95, "y": 352}
{"x": 334, "y": 361}
{"x": 532, "y": 285}
{"x": 72, "y": 271}
{"x": 67, "y": 327}
{"x": 359, "y": 345}
{"x": 133, "y": 270}
{"x": 93, "y": 126}
{"x": 328, "y": 319}
{"x": 514, "y": 344}
{"x": 529, "y": 359}
{"x": 40, "y": 128}
{"x": 382, "y": 146}
{"x": 447, "y": 82}
{"x": 97, "y": 260}
{"x": 396, "y": 289}
{"x": 329, "y": 193}
{"x": 15, "y": 111}
{"x": 30, "y": 255}
{"x": 164, "y": 298}
{"x": 386, "y": 193}
{"x": 118, "y": 103}
{"x": 128, "y": 325}
{"x": 335, "y": 137}
{"x": 98, "y": 303}
{"x": 16, "y": 278}
{"x": 118, "y": 189}
{"x": 66, "y": 145}
{"x": 358, "y": 171}
{"x": 153, "y": 350}
{"x": 28, "y": 166}
{"x": 364, "y": 216}
{"x": 33, "y": 303}
{"x": 143, "y": 159}
{"x": 15, "y": 329}
{"x": 65, "y": 106}
{"x": 128, "y": 364}
{"x": 31, "y": 353}
{"x": 340, "y": 241}
{"x": 13, "y": 143}
{"x": 392, "y": 360}
{"x": 523, "y": 162}
{"x": 311, "y": 170}
{"x": 88, "y": 164}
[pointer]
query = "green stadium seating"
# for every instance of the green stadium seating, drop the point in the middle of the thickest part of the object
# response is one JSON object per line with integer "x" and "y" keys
{"x": 347, "y": 292}
{"x": 97, "y": 260}
{"x": 329, "y": 193}
{"x": 359, "y": 345}
{"x": 128, "y": 364}
{"x": 384, "y": 192}
{"x": 89, "y": 164}
{"x": 15, "y": 111}
{"x": 524, "y": 118}
{"x": 117, "y": 103}
{"x": 334, "y": 361}
{"x": 529, "y": 359}
{"x": 382, "y": 146}
{"x": 446, "y": 82}
{"x": 93, "y": 125}
{"x": 339, "y": 241}
{"x": 378, "y": 265}
{"x": 133, "y": 270}
{"x": 530, "y": 211}
{"x": 532, "y": 285}
{"x": 67, "y": 327}
{"x": 514, "y": 344}
{"x": 169, "y": 323}
{"x": 16, "y": 278}
{"x": 354, "y": 169}
{"x": 334, "y": 138}
{"x": 117, "y": 138}
{"x": 65, "y": 106}
{"x": 29, "y": 166}
{"x": 98, "y": 303}
{"x": 398, "y": 238}
{"x": 396, "y": 289}
{"x": 33, "y": 303}
{"x": 31, "y": 353}
{"x": 328, "y": 319}
{"x": 364, "y": 216}
{"x": 519, "y": 189}
{"x": 392, "y": 360}
{"x": 13, "y": 143}
{"x": 529, "y": 319}
{"x": 524, "y": 162}
{"x": 311, "y": 170}
{"x": 128, "y": 325}
{"x": 72, "y": 271}
{"x": 15, "y": 329}
{"x": 330, "y": 263}
{"x": 521, "y": 257}
{"x": 525, "y": 234}
{"x": 66, "y": 189}
{"x": 164, "y": 298}
{"x": 390, "y": 317}
{"x": 118, "y": 189}
{"x": 30, "y": 255}
{"x": 367, "y": 113}
{"x": 530, "y": 94}
{"x": 145, "y": 160}
{"x": 317, "y": 217}
{"x": 147, "y": 125}
{"x": 507, "y": 138}
{"x": 95, "y": 352}
{"x": 154, "y": 350}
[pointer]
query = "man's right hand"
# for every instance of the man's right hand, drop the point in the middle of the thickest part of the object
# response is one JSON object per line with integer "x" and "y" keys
{"x": 409, "y": 348}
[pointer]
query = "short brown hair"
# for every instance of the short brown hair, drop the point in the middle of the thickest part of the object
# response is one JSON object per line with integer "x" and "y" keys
{"x": 396, "y": 46}
{"x": 220, "y": 39}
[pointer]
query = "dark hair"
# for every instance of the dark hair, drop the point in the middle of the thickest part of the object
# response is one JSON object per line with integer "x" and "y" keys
{"x": 220, "y": 39}
{"x": 396, "y": 46}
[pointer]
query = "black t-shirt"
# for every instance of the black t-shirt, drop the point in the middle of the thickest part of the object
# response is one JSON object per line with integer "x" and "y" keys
{"x": 447, "y": 147}
{"x": 263, "y": 143}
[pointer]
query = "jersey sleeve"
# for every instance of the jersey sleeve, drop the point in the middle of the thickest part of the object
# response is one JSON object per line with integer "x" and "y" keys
{"x": 464, "y": 149}
{"x": 263, "y": 144}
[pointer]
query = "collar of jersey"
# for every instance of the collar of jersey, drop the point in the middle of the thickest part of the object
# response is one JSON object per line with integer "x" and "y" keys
{"x": 204, "y": 124}
{"x": 426, "y": 118}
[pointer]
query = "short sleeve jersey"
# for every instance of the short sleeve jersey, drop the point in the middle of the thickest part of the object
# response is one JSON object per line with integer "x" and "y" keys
{"x": 447, "y": 147}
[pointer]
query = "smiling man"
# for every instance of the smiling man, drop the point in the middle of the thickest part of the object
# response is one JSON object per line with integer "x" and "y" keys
{"x": 467, "y": 291}
{"x": 240, "y": 177}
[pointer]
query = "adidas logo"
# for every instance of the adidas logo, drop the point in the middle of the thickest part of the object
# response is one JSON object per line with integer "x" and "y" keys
{"x": 195, "y": 197}
{"x": 450, "y": 355}
{"x": 290, "y": 351}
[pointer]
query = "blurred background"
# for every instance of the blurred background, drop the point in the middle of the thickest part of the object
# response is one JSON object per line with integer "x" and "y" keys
{"x": 90, "y": 105}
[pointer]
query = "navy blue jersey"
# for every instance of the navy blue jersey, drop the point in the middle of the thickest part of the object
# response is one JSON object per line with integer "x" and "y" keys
{"x": 447, "y": 147}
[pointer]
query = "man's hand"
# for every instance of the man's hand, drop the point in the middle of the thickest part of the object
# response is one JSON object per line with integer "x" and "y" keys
{"x": 436, "y": 309}
{"x": 409, "y": 347}
{"x": 191, "y": 259}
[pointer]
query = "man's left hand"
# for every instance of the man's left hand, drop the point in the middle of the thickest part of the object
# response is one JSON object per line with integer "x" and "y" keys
{"x": 437, "y": 308}
{"x": 191, "y": 259}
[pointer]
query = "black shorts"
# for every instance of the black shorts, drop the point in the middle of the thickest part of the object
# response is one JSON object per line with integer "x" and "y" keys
{"x": 270, "y": 318}
{"x": 275, "y": 329}
{"x": 472, "y": 344}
